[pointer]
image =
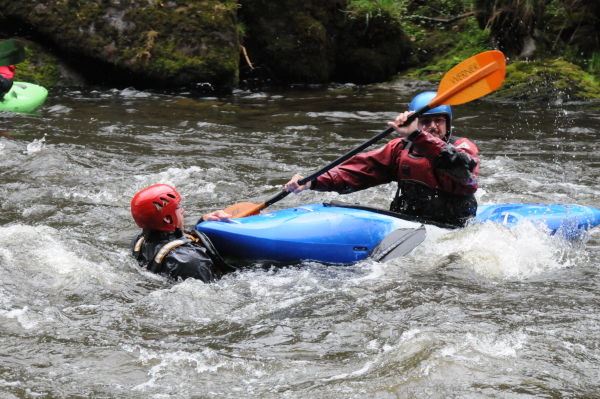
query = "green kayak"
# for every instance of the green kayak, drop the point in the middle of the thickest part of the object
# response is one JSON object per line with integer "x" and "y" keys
{"x": 23, "y": 97}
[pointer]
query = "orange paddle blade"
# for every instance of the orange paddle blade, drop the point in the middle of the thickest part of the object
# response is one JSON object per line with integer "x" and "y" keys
{"x": 471, "y": 79}
{"x": 243, "y": 209}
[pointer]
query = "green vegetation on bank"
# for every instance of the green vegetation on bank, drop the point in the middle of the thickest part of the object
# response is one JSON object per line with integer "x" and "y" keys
{"x": 548, "y": 80}
{"x": 553, "y": 47}
{"x": 39, "y": 67}
{"x": 146, "y": 43}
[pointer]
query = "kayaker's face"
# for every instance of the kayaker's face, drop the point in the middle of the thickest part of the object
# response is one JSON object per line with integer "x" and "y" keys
{"x": 180, "y": 218}
{"x": 434, "y": 125}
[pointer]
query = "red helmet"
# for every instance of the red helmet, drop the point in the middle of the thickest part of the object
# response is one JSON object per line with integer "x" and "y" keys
{"x": 154, "y": 207}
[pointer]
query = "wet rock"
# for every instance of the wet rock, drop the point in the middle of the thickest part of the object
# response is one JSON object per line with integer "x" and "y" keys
{"x": 151, "y": 43}
{"x": 196, "y": 43}
{"x": 316, "y": 41}
{"x": 547, "y": 81}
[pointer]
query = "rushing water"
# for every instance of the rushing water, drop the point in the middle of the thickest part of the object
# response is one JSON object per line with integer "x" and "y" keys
{"x": 479, "y": 312}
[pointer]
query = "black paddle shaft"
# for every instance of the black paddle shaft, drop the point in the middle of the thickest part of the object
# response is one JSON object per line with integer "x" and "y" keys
{"x": 347, "y": 156}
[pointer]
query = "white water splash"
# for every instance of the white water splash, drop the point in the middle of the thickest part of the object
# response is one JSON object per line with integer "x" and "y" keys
{"x": 26, "y": 319}
{"x": 39, "y": 255}
{"x": 189, "y": 181}
{"x": 168, "y": 366}
{"x": 132, "y": 93}
{"x": 498, "y": 252}
{"x": 59, "y": 109}
{"x": 480, "y": 347}
{"x": 36, "y": 145}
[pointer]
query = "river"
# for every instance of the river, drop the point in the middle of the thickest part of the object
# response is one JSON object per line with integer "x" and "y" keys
{"x": 483, "y": 312}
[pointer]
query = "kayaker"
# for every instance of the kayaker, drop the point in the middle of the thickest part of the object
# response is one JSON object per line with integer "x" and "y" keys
{"x": 164, "y": 247}
{"x": 436, "y": 171}
{"x": 7, "y": 74}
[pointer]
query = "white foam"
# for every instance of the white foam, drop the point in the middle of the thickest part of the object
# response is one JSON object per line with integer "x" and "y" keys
{"x": 172, "y": 176}
{"x": 36, "y": 145}
{"x": 344, "y": 116}
{"x": 58, "y": 109}
{"x": 301, "y": 127}
{"x": 26, "y": 319}
{"x": 227, "y": 299}
{"x": 133, "y": 93}
{"x": 475, "y": 347}
{"x": 498, "y": 252}
{"x": 48, "y": 262}
{"x": 165, "y": 365}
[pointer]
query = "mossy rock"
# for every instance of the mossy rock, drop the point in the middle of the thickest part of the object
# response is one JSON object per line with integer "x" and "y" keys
{"x": 152, "y": 43}
{"x": 44, "y": 68}
{"x": 316, "y": 41}
{"x": 371, "y": 50}
{"x": 548, "y": 81}
{"x": 288, "y": 41}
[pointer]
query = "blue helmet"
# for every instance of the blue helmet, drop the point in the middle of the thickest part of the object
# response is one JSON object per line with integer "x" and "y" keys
{"x": 422, "y": 99}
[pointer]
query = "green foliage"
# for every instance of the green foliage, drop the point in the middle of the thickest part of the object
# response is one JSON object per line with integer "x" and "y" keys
{"x": 160, "y": 43}
{"x": 438, "y": 46}
{"x": 241, "y": 28}
{"x": 573, "y": 24}
{"x": 39, "y": 67}
{"x": 456, "y": 47}
{"x": 512, "y": 23}
{"x": 371, "y": 8}
{"x": 594, "y": 64}
{"x": 570, "y": 28}
{"x": 311, "y": 41}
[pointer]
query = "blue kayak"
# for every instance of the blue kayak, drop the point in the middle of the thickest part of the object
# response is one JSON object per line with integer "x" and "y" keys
{"x": 344, "y": 234}
{"x": 317, "y": 232}
{"x": 567, "y": 220}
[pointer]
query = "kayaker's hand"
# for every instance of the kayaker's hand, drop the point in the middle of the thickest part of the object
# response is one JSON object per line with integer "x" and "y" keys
{"x": 217, "y": 216}
{"x": 400, "y": 119}
{"x": 293, "y": 187}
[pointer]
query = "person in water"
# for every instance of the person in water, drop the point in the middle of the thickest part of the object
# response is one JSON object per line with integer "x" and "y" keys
{"x": 436, "y": 171}
{"x": 164, "y": 247}
{"x": 7, "y": 74}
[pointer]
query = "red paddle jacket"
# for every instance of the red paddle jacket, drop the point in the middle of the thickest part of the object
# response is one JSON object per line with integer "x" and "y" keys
{"x": 436, "y": 179}
{"x": 7, "y": 72}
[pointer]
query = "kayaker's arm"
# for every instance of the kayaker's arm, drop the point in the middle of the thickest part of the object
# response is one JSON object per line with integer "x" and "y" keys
{"x": 460, "y": 164}
{"x": 217, "y": 216}
{"x": 456, "y": 163}
{"x": 362, "y": 171}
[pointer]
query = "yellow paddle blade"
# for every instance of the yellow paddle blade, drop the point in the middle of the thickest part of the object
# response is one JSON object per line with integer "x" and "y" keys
{"x": 471, "y": 79}
{"x": 243, "y": 209}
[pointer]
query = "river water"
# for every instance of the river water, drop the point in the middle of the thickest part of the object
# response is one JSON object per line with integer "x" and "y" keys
{"x": 483, "y": 312}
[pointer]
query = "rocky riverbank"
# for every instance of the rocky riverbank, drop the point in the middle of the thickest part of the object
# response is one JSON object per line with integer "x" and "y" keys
{"x": 219, "y": 45}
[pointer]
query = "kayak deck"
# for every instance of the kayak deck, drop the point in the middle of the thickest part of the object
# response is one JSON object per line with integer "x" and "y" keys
{"x": 311, "y": 232}
{"x": 568, "y": 220}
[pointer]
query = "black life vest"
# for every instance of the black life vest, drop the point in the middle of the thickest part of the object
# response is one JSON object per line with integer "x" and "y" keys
{"x": 153, "y": 258}
{"x": 418, "y": 194}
